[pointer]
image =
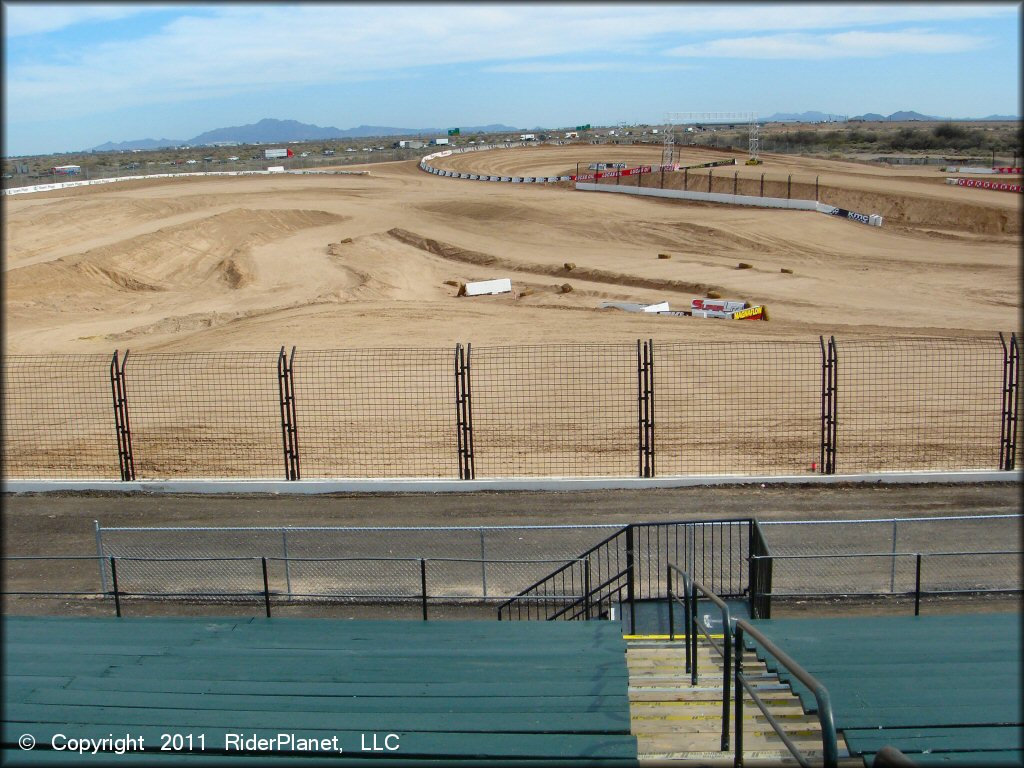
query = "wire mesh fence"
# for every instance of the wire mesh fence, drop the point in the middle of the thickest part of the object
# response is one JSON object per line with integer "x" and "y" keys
{"x": 376, "y": 413}
{"x": 58, "y": 420}
{"x": 204, "y": 414}
{"x": 555, "y": 410}
{"x": 919, "y": 404}
{"x": 740, "y": 407}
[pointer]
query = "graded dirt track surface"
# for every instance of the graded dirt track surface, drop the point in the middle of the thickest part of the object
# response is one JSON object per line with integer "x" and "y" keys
{"x": 349, "y": 261}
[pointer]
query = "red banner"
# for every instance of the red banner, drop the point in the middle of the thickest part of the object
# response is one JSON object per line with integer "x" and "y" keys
{"x": 997, "y": 185}
{"x": 1007, "y": 170}
{"x": 612, "y": 174}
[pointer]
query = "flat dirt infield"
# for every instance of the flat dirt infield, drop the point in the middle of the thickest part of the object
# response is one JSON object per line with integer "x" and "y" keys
{"x": 62, "y": 524}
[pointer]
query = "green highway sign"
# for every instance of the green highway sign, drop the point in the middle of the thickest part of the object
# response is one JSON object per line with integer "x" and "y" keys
{"x": 453, "y": 131}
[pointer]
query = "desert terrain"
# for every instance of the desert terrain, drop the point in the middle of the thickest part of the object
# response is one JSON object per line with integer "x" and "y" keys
{"x": 375, "y": 260}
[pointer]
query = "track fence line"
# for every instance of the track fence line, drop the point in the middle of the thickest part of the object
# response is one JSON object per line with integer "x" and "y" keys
{"x": 587, "y": 410}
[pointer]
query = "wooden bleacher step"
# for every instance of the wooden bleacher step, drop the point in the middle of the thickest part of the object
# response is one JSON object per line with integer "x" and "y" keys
{"x": 674, "y": 720}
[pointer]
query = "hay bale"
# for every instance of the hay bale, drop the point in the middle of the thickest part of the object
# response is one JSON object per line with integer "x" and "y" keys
{"x": 569, "y": 266}
{"x": 713, "y": 295}
{"x": 565, "y": 288}
{"x": 526, "y": 292}
{"x": 786, "y": 271}
{"x": 664, "y": 255}
{"x": 452, "y": 283}
{"x": 744, "y": 265}
{"x": 347, "y": 240}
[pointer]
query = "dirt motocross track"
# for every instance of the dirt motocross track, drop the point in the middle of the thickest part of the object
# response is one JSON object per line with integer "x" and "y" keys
{"x": 350, "y": 261}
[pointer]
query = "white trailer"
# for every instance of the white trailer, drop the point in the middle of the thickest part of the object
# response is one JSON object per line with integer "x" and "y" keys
{"x": 276, "y": 154}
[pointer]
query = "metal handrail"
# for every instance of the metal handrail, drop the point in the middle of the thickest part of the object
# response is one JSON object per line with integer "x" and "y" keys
{"x": 585, "y": 599}
{"x": 725, "y": 651}
{"x": 829, "y": 739}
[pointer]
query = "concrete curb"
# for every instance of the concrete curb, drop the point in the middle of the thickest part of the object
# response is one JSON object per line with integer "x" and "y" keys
{"x": 436, "y": 485}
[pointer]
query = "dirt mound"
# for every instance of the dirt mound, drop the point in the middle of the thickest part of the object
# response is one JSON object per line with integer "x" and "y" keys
{"x": 466, "y": 256}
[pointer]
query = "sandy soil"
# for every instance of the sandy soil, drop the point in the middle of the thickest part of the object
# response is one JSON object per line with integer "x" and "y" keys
{"x": 331, "y": 262}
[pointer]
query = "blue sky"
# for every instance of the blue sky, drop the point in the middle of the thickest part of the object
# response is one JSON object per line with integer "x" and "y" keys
{"x": 80, "y": 74}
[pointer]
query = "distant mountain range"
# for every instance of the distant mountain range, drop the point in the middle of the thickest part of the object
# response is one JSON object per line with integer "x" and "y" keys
{"x": 269, "y": 130}
{"x": 895, "y": 117}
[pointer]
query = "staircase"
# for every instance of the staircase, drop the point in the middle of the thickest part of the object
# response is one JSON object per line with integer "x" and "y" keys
{"x": 676, "y": 721}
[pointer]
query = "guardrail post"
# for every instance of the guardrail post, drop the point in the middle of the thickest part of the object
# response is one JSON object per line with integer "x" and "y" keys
{"x": 117, "y": 595}
{"x": 423, "y": 586}
{"x": 266, "y": 587}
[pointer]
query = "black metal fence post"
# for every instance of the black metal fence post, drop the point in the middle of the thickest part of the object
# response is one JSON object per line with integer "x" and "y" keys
{"x": 827, "y": 456}
{"x": 289, "y": 424}
{"x": 464, "y": 411}
{"x": 423, "y": 586}
{"x": 917, "y": 587}
{"x": 789, "y": 187}
{"x": 645, "y": 406}
{"x": 762, "y": 185}
{"x": 735, "y": 181}
{"x": 122, "y": 425}
{"x": 1011, "y": 383}
{"x": 586, "y": 589}
{"x": 630, "y": 579}
{"x": 671, "y": 609}
{"x": 117, "y": 594}
{"x": 710, "y": 174}
{"x": 266, "y": 587}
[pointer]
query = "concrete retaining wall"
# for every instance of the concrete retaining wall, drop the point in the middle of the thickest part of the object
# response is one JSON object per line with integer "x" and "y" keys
{"x": 710, "y": 197}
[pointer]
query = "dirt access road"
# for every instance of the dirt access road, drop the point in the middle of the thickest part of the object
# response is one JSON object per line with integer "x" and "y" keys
{"x": 62, "y": 523}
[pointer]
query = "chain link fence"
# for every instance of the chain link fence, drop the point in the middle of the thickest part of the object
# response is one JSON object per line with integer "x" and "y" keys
{"x": 741, "y": 407}
{"x": 879, "y": 557}
{"x": 367, "y": 562}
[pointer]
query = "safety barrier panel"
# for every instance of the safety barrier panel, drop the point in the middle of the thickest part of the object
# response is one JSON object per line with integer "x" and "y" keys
{"x": 979, "y": 184}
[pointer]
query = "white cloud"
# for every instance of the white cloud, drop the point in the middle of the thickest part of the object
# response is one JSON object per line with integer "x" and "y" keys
{"x": 840, "y": 45}
{"x": 235, "y": 48}
{"x": 37, "y": 18}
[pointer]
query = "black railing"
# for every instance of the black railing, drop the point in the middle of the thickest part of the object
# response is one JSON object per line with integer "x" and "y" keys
{"x": 692, "y": 590}
{"x": 827, "y": 582}
{"x": 596, "y": 602}
{"x": 715, "y": 551}
{"x": 829, "y": 740}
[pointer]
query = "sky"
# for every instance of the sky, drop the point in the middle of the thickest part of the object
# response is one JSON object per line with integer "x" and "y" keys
{"x": 80, "y": 74}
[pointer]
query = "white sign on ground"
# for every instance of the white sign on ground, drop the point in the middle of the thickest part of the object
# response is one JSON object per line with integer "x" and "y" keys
{"x": 485, "y": 287}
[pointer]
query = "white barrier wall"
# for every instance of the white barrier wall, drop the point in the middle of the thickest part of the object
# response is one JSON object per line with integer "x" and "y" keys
{"x": 711, "y": 197}
{"x": 111, "y": 180}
